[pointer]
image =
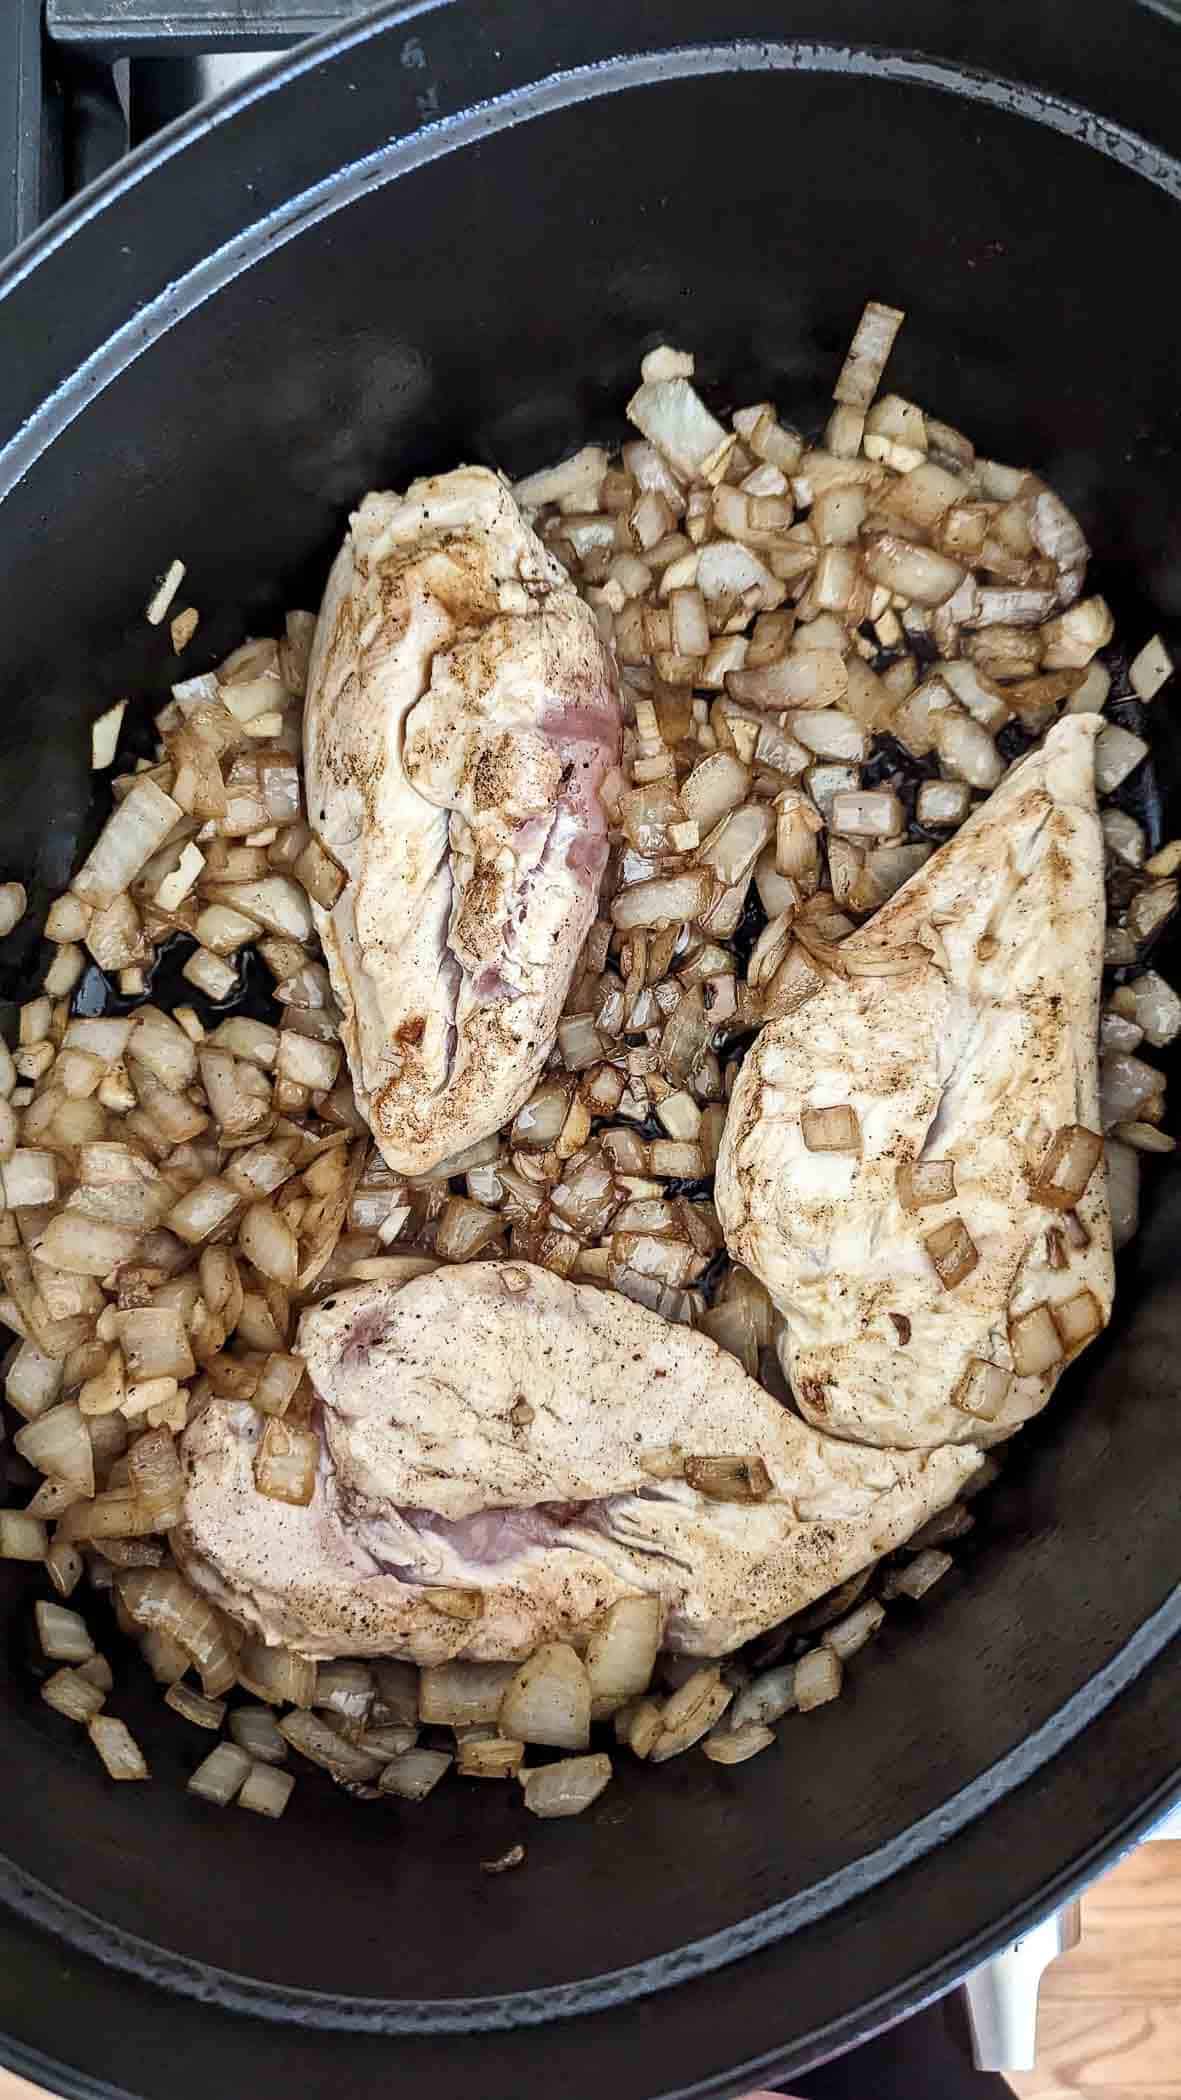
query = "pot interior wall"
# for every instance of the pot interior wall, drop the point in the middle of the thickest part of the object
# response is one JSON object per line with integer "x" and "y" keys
{"x": 493, "y": 305}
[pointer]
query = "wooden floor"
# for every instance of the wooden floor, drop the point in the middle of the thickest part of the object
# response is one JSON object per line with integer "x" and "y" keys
{"x": 1111, "y": 2010}
{"x": 1110, "y": 2026}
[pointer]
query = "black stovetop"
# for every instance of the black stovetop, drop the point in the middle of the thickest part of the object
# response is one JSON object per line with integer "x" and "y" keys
{"x": 81, "y": 81}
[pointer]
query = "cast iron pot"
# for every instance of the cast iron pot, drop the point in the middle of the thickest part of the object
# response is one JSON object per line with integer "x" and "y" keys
{"x": 446, "y": 234}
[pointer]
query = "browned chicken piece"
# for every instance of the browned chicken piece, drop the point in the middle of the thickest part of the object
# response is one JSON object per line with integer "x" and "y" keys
{"x": 461, "y": 715}
{"x": 912, "y": 1161}
{"x": 505, "y": 1454}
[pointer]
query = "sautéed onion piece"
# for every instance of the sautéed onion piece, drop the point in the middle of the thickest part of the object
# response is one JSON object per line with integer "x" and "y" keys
{"x": 798, "y": 628}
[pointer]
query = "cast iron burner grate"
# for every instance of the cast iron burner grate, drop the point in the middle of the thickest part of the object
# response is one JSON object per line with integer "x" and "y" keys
{"x": 82, "y": 81}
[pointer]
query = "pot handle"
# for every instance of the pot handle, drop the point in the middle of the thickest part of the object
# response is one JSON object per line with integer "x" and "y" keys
{"x": 1002, "y": 1994}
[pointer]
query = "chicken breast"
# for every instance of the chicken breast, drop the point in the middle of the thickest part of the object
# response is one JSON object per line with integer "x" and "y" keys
{"x": 982, "y": 1057}
{"x": 494, "y": 1446}
{"x": 461, "y": 715}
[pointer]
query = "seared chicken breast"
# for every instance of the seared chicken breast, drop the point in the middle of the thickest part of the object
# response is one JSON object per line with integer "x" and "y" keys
{"x": 461, "y": 715}
{"x": 938, "y": 1271}
{"x": 505, "y": 1454}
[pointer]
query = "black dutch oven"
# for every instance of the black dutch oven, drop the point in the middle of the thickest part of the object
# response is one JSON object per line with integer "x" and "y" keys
{"x": 447, "y": 233}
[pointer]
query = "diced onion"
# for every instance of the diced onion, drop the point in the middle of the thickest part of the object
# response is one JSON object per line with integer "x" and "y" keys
{"x": 830, "y": 734}
{"x": 667, "y": 900}
{"x": 104, "y": 736}
{"x": 286, "y": 1462}
{"x": 321, "y": 1745}
{"x": 159, "y": 1599}
{"x": 1034, "y": 1341}
{"x": 732, "y": 850}
{"x": 638, "y": 1724}
{"x": 716, "y": 785}
{"x": 257, "y": 1733}
{"x": 29, "y": 1177}
{"x": 193, "y": 1706}
{"x": 865, "y": 361}
{"x": 577, "y": 476}
{"x": 1149, "y": 669}
{"x": 70, "y": 1694}
{"x": 817, "y": 1679}
{"x": 729, "y": 1479}
{"x": 1117, "y": 754}
{"x": 1072, "y": 639}
{"x": 814, "y": 679}
{"x": 872, "y": 813}
{"x": 953, "y": 1252}
{"x": 690, "y": 1713}
{"x": 274, "y": 902}
{"x": 57, "y": 1443}
{"x": 568, "y": 1787}
{"x": 117, "y": 1514}
{"x": 621, "y": 1653}
{"x": 914, "y": 571}
{"x": 727, "y": 1745}
{"x": 266, "y": 1791}
{"x": 277, "y": 1383}
{"x": 200, "y": 1213}
{"x": 1067, "y": 1166}
{"x": 63, "y": 1634}
{"x": 1078, "y": 1319}
{"x": 920, "y": 1182}
{"x": 387, "y": 1742}
{"x": 164, "y": 593}
{"x": 136, "y": 828}
{"x": 412, "y": 1775}
{"x": 64, "y": 1566}
{"x": 920, "y": 1574}
{"x": 1123, "y": 836}
{"x": 671, "y": 415}
{"x": 1150, "y": 908}
{"x": 850, "y": 1634}
{"x": 276, "y": 1675}
{"x": 831, "y": 1129}
{"x": 347, "y": 1690}
{"x": 967, "y": 749}
{"x": 221, "y": 1776}
{"x": 548, "y": 1699}
{"x": 165, "y": 1658}
{"x": 1156, "y": 1007}
{"x": 269, "y": 1243}
{"x": 154, "y": 1343}
{"x": 483, "y": 1753}
{"x": 466, "y": 1229}
{"x": 1145, "y": 1137}
{"x": 982, "y": 1390}
{"x": 13, "y": 905}
{"x": 305, "y": 1061}
{"x": 32, "y": 1381}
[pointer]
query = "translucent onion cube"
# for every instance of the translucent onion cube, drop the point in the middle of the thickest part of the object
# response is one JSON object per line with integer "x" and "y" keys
{"x": 1074, "y": 1153}
{"x": 1034, "y": 1341}
{"x": 953, "y": 1252}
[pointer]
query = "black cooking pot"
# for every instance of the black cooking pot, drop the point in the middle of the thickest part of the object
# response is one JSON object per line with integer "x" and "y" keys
{"x": 447, "y": 234}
